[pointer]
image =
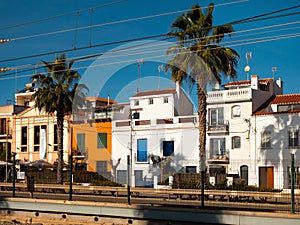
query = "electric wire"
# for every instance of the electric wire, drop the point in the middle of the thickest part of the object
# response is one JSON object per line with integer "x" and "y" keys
{"x": 112, "y": 23}
{"x": 250, "y": 41}
{"x": 147, "y": 45}
{"x": 61, "y": 15}
{"x": 144, "y": 38}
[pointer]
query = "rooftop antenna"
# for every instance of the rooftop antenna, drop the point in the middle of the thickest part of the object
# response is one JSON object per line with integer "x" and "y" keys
{"x": 140, "y": 62}
{"x": 274, "y": 69}
{"x": 160, "y": 68}
{"x": 247, "y": 67}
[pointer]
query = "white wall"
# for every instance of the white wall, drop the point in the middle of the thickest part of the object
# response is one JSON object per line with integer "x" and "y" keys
{"x": 278, "y": 156}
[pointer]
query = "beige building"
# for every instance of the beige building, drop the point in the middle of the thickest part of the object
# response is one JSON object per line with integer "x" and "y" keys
{"x": 35, "y": 132}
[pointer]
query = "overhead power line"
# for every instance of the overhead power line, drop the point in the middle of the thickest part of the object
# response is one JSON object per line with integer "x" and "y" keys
{"x": 113, "y": 22}
{"x": 61, "y": 15}
{"x": 235, "y": 34}
{"x": 228, "y": 44}
{"x": 245, "y": 20}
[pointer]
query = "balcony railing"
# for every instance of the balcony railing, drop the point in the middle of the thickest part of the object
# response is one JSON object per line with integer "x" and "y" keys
{"x": 218, "y": 127}
{"x": 229, "y": 95}
{"x": 5, "y": 134}
{"x": 221, "y": 157}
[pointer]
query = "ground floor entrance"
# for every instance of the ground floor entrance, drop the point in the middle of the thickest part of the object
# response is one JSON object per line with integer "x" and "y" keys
{"x": 266, "y": 177}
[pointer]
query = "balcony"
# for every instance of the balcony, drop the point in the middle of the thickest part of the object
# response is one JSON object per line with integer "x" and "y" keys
{"x": 221, "y": 157}
{"x": 4, "y": 134}
{"x": 223, "y": 96}
{"x": 217, "y": 128}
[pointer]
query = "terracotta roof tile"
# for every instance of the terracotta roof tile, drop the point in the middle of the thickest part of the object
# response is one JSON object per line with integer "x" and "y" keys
{"x": 246, "y": 82}
{"x": 279, "y": 100}
{"x": 155, "y": 92}
{"x": 286, "y": 99}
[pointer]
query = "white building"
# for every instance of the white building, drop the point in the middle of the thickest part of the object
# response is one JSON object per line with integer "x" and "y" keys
{"x": 274, "y": 138}
{"x": 252, "y": 131}
{"x": 160, "y": 132}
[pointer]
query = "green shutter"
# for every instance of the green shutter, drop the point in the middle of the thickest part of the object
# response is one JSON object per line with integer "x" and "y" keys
{"x": 102, "y": 140}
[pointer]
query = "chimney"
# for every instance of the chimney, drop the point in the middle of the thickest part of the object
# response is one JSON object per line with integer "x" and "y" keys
{"x": 178, "y": 89}
{"x": 254, "y": 82}
{"x": 279, "y": 82}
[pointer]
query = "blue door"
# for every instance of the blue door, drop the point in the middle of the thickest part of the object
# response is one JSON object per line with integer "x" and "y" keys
{"x": 142, "y": 151}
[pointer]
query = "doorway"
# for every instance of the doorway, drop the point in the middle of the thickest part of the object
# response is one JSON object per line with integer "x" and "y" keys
{"x": 244, "y": 173}
{"x": 266, "y": 177}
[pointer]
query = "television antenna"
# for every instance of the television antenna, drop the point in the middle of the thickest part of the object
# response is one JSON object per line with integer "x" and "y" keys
{"x": 274, "y": 69}
{"x": 160, "y": 68}
{"x": 140, "y": 62}
{"x": 247, "y": 67}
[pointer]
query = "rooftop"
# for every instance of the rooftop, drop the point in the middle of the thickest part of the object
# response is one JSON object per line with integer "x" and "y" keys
{"x": 155, "y": 92}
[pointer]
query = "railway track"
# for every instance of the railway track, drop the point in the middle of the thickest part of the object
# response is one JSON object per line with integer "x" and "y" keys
{"x": 183, "y": 197}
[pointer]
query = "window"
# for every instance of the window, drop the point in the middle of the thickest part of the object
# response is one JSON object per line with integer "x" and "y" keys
{"x": 190, "y": 169}
{"x": 55, "y": 147}
{"x": 102, "y": 140}
{"x": 136, "y": 115}
{"x": 168, "y": 148}
{"x": 217, "y": 147}
{"x": 24, "y": 139}
{"x": 236, "y": 111}
{"x": 293, "y": 139}
{"x": 136, "y": 102}
{"x": 266, "y": 139}
{"x": 289, "y": 107}
{"x": 81, "y": 143}
{"x": 43, "y": 141}
{"x": 150, "y": 101}
{"x": 216, "y": 116}
{"x": 36, "y": 138}
{"x": 236, "y": 142}
{"x": 166, "y": 99}
{"x": 3, "y": 126}
{"x": 142, "y": 151}
{"x": 122, "y": 176}
{"x": 101, "y": 167}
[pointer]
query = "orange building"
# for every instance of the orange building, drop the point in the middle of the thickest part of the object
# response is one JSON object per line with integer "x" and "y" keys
{"x": 92, "y": 136}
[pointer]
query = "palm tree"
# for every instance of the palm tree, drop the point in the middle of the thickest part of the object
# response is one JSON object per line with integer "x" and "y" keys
{"x": 199, "y": 59}
{"x": 55, "y": 95}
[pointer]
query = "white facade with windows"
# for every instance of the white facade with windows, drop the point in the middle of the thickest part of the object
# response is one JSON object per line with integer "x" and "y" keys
{"x": 252, "y": 130}
{"x": 276, "y": 137}
{"x": 160, "y": 133}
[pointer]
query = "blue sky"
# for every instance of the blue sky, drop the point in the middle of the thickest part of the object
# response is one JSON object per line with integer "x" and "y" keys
{"x": 43, "y": 37}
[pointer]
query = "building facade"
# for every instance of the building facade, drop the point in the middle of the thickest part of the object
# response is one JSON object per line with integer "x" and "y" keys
{"x": 35, "y": 132}
{"x": 159, "y": 133}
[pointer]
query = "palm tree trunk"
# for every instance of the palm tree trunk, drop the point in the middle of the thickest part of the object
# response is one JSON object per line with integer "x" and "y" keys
{"x": 202, "y": 136}
{"x": 60, "y": 152}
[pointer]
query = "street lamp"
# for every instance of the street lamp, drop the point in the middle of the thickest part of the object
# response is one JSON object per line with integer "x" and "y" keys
{"x": 3, "y": 69}
{"x": 2, "y": 41}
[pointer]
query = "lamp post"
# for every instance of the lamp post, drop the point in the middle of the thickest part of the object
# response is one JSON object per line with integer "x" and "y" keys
{"x": 13, "y": 173}
{"x": 2, "y": 41}
{"x": 71, "y": 177}
{"x": 292, "y": 183}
